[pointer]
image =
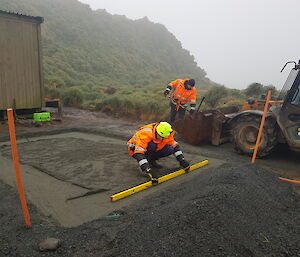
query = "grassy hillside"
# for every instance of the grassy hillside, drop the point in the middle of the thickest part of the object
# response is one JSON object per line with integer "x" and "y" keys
{"x": 103, "y": 61}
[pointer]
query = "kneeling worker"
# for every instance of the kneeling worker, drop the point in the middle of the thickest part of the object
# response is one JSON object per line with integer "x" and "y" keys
{"x": 152, "y": 142}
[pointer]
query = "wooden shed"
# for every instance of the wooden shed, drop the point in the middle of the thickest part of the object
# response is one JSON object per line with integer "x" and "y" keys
{"x": 21, "y": 75}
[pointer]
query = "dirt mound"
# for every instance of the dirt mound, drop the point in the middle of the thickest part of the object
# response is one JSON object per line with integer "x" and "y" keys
{"x": 239, "y": 210}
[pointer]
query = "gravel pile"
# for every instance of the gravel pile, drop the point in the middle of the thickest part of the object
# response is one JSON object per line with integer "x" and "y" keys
{"x": 238, "y": 210}
{"x": 235, "y": 210}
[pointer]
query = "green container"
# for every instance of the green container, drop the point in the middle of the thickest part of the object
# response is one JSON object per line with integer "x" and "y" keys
{"x": 43, "y": 116}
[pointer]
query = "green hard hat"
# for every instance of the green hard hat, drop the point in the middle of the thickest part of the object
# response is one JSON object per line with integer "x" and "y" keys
{"x": 164, "y": 129}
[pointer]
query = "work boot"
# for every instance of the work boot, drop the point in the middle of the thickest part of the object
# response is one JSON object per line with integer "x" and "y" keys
{"x": 154, "y": 164}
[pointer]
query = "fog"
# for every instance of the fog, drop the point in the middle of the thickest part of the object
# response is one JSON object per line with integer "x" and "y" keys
{"x": 237, "y": 42}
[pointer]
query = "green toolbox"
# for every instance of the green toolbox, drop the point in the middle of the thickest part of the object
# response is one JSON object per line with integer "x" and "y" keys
{"x": 43, "y": 116}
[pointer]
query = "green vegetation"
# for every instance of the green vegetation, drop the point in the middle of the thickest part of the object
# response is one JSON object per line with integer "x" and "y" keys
{"x": 214, "y": 95}
{"x": 220, "y": 96}
{"x": 257, "y": 90}
{"x": 87, "y": 52}
{"x": 105, "y": 62}
{"x": 72, "y": 97}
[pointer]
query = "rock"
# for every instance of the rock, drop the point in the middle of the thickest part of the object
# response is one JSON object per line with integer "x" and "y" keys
{"x": 50, "y": 244}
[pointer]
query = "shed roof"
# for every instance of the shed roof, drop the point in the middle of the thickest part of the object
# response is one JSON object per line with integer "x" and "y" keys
{"x": 22, "y": 16}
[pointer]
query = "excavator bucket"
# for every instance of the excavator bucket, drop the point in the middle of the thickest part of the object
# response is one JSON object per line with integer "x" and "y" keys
{"x": 206, "y": 126}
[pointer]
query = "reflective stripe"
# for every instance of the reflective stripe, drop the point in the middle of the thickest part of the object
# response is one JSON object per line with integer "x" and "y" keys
{"x": 147, "y": 129}
{"x": 193, "y": 102}
{"x": 175, "y": 144}
{"x": 183, "y": 98}
{"x": 130, "y": 145}
{"x": 139, "y": 148}
{"x": 143, "y": 161}
{"x": 178, "y": 153}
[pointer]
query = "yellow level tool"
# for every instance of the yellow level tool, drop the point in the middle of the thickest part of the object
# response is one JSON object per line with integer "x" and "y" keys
{"x": 148, "y": 184}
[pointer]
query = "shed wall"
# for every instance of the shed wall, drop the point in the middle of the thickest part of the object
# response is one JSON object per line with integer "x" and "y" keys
{"x": 20, "y": 64}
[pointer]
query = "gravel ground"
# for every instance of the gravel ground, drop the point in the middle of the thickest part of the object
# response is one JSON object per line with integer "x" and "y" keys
{"x": 234, "y": 210}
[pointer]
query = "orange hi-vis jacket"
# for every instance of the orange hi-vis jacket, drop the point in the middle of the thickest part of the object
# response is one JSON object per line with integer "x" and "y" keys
{"x": 146, "y": 134}
{"x": 183, "y": 95}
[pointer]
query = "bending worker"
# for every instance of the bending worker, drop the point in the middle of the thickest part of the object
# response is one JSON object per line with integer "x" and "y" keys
{"x": 152, "y": 142}
{"x": 184, "y": 94}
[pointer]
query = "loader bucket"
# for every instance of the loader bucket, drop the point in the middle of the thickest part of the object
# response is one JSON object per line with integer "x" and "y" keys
{"x": 206, "y": 126}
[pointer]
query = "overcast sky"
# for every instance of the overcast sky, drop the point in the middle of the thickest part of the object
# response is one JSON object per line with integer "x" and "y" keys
{"x": 236, "y": 42}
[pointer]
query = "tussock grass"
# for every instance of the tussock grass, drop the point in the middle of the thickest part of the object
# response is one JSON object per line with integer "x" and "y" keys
{"x": 136, "y": 106}
{"x": 144, "y": 103}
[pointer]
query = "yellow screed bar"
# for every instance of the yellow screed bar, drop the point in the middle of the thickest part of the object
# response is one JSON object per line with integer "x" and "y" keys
{"x": 148, "y": 184}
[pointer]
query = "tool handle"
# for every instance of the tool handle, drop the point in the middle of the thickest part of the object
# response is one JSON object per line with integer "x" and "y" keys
{"x": 200, "y": 103}
{"x": 171, "y": 99}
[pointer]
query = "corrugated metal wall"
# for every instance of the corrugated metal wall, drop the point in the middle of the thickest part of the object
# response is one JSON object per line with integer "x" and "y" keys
{"x": 21, "y": 84}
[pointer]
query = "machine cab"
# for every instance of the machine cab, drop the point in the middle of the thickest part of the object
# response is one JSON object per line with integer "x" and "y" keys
{"x": 289, "y": 115}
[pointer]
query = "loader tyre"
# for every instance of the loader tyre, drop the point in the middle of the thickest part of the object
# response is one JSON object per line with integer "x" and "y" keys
{"x": 245, "y": 132}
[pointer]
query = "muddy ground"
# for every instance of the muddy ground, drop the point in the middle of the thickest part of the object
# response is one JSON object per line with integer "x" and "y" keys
{"x": 229, "y": 208}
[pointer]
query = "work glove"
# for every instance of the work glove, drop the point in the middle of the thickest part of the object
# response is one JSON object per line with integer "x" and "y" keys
{"x": 148, "y": 171}
{"x": 184, "y": 164}
{"x": 166, "y": 92}
{"x": 145, "y": 171}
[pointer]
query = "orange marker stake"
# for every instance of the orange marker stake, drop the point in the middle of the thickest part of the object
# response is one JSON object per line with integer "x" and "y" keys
{"x": 14, "y": 150}
{"x": 261, "y": 127}
{"x": 290, "y": 180}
